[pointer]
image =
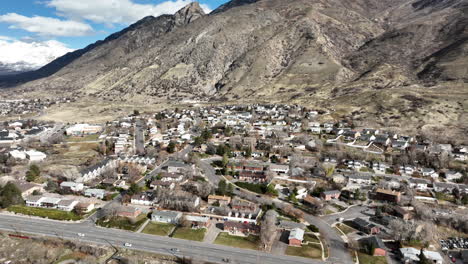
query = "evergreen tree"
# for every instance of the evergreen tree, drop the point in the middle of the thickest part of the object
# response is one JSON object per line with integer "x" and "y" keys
{"x": 10, "y": 195}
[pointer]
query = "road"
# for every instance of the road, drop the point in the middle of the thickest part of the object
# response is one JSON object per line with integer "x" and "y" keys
{"x": 338, "y": 251}
{"x": 155, "y": 244}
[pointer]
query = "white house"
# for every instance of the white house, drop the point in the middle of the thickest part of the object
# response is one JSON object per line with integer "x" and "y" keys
{"x": 453, "y": 175}
{"x": 98, "y": 193}
{"x": 411, "y": 255}
{"x": 67, "y": 205}
{"x": 34, "y": 155}
{"x": 72, "y": 186}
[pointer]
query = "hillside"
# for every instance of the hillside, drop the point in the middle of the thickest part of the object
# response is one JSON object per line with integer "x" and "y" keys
{"x": 401, "y": 63}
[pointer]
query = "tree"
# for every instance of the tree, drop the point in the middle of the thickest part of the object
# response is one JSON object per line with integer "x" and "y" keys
{"x": 171, "y": 147}
{"x": 136, "y": 112}
{"x": 225, "y": 160}
{"x": 221, "y": 187}
{"x": 33, "y": 173}
{"x": 248, "y": 152}
{"x": 133, "y": 189}
{"x": 268, "y": 229}
{"x": 10, "y": 195}
{"x": 206, "y": 134}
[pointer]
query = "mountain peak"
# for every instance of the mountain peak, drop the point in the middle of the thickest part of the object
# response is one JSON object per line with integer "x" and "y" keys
{"x": 189, "y": 13}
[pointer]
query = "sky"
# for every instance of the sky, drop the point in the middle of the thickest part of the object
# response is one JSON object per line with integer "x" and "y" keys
{"x": 34, "y": 32}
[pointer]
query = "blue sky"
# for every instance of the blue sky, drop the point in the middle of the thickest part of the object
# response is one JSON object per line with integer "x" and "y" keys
{"x": 77, "y": 23}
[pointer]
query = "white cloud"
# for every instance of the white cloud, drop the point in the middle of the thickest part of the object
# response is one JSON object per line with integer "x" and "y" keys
{"x": 47, "y": 26}
{"x": 115, "y": 11}
{"x": 20, "y": 56}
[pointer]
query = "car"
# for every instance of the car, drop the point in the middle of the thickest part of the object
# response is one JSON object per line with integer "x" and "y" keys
{"x": 81, "y": 234}
{"x": 127, "y": 244}
{"x": 226, "y": 260}
{"x": 175, "y": 250}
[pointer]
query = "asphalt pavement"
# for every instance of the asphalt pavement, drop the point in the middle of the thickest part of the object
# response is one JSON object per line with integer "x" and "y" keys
{"x": 155, "y": 244}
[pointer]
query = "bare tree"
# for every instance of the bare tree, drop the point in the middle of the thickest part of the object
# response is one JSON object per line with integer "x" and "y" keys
{"x": 268, "y": 229}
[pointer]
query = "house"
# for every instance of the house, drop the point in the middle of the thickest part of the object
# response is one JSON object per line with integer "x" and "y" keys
{"x": 411, "y": 256}
{"x": 33, "y": 201}
{"x": 387, "y": 195}
{"x": 402, "y": 213}
{"x": 252, "y": 176}
{"x": 27, "y": 188}
{"x": 83, "y": 208}
{"x": 296, "y": 236}
{"x": 279, "y": 169}
{"x": 72, "y": 186}
{"x": 198, "y": 222}
{"x": 67, "y": 205}
{"x": 444, "y": 187}
{"x": 168, "y": 217}
{"x": 429, "y": 172}
{"x": 35, "y": 156}
{"x": 418, "y": 184}
{"x": 145, "y": 198}
{"x": 128, "y": 211}
{"x": 243, "y": 205}
{"x": 453, "y": 175}
{"x": 98, "y": 193}
{"x": 171, "y": 177}
{"x": 31, "y": 155}
{"x": 176, "y": 166}
{"x": 240, "y": 228}
{"x": 221, "y": 200}
{"x": 330, "y": 195}
{"x": 290, "y": 225}
{"x": 365, "y": 226}
{"x": 375, "y": 243}
{"x": 162, "y": 184}
{"x": 360, "y": 179}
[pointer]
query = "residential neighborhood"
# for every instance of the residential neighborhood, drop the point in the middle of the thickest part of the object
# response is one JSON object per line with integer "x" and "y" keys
{"x": 272, "y": 178}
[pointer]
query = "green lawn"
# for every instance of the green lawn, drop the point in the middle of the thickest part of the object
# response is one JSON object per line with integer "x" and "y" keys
{"x": 249, "y": 242}
{"x": 189, "y": 233}
{"x": 310, "y": 251}
{"x": 122, "y": 222}
{"x": 160, "y": 229}
{"x": 368, "y": 259}
{"x": 311, "y": 238}
{"x": 43, "y": 212}
{"x": 345, "y": 228}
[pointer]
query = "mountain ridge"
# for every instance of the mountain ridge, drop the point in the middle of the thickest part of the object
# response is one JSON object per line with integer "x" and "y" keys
{"x": 333, "y": 54}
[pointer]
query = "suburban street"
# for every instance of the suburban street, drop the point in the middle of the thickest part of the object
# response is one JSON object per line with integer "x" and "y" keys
{"x": 144, "y": 242}
{"x": 338, "y": 252}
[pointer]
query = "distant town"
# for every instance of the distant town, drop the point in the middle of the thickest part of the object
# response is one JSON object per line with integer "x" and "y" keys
{"x": 271, "y": 178}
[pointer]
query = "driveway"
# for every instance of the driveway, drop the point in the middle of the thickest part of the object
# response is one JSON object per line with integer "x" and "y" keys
{"x": 213, "y": 232}
{"x": 280, "y": 244}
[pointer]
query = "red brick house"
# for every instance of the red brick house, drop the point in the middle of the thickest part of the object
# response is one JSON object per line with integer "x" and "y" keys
{"x": 296, "y": 236}
{"x": 236, "y": 228}
{"x": 128, "y": 211}
{"x": 387, "y": 195}
{"x": 376, "y": 244}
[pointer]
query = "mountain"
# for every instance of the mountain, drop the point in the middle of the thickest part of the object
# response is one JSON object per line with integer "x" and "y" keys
{"x": 391, "y": 62}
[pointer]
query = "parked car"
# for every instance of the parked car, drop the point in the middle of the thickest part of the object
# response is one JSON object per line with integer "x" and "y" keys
{"x": 127, "y": 244}
{"x": 175, "y": 250}
{"x": 81, "y": 234}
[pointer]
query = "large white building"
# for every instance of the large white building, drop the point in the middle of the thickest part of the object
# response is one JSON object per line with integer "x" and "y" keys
{"x": 83, "y": 129}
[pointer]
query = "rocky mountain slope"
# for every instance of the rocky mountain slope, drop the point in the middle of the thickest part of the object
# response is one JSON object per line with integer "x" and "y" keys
{"x": 390, "y": 61}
